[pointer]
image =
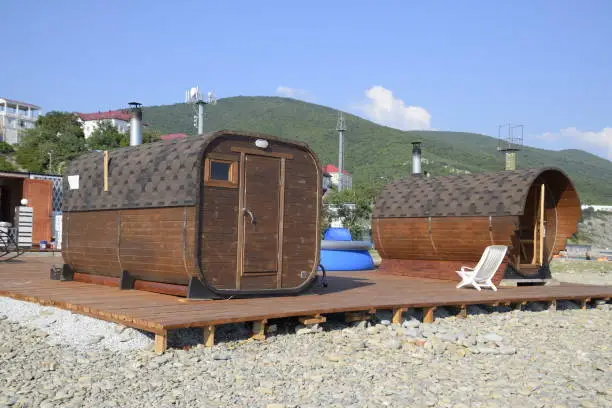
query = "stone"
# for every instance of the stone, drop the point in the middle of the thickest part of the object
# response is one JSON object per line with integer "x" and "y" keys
{"x": 222, "y": 357}
{"x": 272, "y": 329}
{"x": 493, "y": 338}
{"x": 94, "y": 339}
{"x": 450, "y": 337}
{"x": 412, "y": 323}
{"x": 300, "y": 330}
{"x": 487, "y": 350}
{"x": 413, "y": 332}
{"x": 506, "y": 350}
{"x": 393, "y": 344}
{"x": 334, "y": 358}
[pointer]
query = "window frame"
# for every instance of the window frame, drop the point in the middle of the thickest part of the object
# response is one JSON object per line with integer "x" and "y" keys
{"x": 233, "y": 173}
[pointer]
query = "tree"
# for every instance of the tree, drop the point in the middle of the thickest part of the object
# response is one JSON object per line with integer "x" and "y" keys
{"x": 47, "y": 148}
{"x": 353, "y": 207}
{"x": 5, "y": 165}
{"x": 107, "y": 137}
{"x": 6, "y": 148}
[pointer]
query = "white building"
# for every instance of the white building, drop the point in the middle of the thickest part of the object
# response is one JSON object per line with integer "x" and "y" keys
{"x": 347, "y": 179}
{"x": 15, "y": 117}
{"x": 91, "y": 121}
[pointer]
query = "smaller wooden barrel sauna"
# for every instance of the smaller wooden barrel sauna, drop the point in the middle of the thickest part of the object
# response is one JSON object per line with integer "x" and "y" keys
{"x": 430, "y": 227}
{"x": 223, "y": 213}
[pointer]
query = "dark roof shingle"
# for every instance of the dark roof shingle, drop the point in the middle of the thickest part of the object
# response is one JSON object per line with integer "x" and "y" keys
{"x": 486, "y": 194}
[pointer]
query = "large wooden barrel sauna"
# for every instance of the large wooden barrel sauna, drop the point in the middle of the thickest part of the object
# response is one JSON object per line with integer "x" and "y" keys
{"x": 223, "y": 213}
{"x": 429, "y": 227}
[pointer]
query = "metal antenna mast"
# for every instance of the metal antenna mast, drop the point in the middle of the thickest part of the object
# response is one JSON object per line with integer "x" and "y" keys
{"x": 341, "y": 128}
{"x": 510, "y": 144}
{"x": 194, "y": 98}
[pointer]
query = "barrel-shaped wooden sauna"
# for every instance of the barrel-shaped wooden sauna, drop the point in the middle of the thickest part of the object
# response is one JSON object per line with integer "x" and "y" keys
{"x": 223, "y": 213}
{"x": 430, "y": 227}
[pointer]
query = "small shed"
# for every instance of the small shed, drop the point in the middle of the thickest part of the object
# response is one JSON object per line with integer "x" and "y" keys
{"x": 223, "y": 213}
{"x": 43, "y": 193}
{"x": 429, "y": 227}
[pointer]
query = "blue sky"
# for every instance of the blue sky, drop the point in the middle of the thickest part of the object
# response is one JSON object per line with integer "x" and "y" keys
{"x": 450, "y": 65}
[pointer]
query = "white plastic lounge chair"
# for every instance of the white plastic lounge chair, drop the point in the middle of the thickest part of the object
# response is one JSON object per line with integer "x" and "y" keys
{"x": 480, "y": 276}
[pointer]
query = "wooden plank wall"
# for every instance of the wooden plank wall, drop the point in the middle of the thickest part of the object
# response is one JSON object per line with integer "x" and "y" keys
{"x": 151, "y": 244}
{"x": 429, "y": 269}
{"x": 441, "y": 238}
{"x": 219, "y": 215}
{"x": 301, "y": 220}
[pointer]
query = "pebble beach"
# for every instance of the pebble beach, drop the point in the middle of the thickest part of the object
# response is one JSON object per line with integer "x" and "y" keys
{"x": 496, "y": 357}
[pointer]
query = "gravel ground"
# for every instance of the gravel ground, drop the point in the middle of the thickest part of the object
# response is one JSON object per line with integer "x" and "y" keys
{"x": 494, "y": 358}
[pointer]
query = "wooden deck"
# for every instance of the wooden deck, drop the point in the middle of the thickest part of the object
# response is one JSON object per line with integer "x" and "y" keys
{"x": 355, "y": 293}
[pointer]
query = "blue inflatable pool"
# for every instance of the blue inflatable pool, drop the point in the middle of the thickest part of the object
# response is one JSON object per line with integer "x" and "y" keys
{"x": 340, "y": 253}
{"x": 346, "y": 260}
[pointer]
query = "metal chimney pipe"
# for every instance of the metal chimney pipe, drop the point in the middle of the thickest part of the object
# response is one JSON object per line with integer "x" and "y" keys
{"x": 416, "y": 157}
{"x": 135, "y": 124}
{"x": 201, "y": 104}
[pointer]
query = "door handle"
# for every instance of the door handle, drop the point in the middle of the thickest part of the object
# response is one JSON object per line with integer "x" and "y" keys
{"x": 250, "y": 214}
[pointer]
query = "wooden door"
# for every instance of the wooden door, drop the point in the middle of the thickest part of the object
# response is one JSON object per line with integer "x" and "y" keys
{"x": 39, "y": 194}
{"x": 261, "y": 216}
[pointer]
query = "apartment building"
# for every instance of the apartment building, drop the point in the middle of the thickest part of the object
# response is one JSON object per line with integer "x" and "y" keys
{"x": 15, "y": 117}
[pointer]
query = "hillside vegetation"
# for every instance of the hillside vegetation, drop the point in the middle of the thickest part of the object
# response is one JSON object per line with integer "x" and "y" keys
{"x": 375, "y": 153}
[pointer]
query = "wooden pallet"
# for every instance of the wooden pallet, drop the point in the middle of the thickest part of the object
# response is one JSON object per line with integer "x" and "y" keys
{"x": 357, "y": 294}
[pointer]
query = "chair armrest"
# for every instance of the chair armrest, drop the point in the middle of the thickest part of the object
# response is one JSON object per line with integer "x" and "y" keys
{"x": 466, "y": 268}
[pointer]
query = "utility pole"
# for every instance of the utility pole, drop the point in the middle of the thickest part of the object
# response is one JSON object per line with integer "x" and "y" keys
{"x": 341, "y": 128}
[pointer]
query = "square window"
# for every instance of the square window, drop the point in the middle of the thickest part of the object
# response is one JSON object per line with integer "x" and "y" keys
{"x": 221, "y": 173}
{"x": 220, "y": 170}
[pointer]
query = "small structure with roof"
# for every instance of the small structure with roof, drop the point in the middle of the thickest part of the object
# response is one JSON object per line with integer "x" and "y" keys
{"x": 219, "y": 214}
{"x": 429, "y": 227}
{"x": 91, "y": 121}
{"x": 334, "y": 173}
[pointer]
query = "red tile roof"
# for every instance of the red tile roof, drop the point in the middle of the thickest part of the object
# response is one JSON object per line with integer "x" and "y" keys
{"x": 173, "y": 136}
{"x": 116, "y": 114}
{"x": 330, "y": 168}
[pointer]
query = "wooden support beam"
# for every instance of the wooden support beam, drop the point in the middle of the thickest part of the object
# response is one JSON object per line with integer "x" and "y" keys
{"x": 358, "y": 316}
{"x": 209, "y": 336}
{"x": 106, "y": 170}
{"x": 542, "y": 228}
{"x": 161, "y": 342}
{"x": 314, "y": 319}
{"x": 552, "y": 305}
{"x": 259, "y": 329}
{"x": 584, "y": 303}
{"x": 462, "y": 312}
{"x": 428, "y": 314}
{"x": 398, "y": 314}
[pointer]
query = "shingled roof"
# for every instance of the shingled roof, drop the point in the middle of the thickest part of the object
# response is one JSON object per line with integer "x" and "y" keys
{"x": 161, "y": 174}
{"x": 486, "y": 194}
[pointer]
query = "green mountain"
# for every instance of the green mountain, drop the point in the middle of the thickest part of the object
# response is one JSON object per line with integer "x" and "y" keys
{"x": 375, "y": 153}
